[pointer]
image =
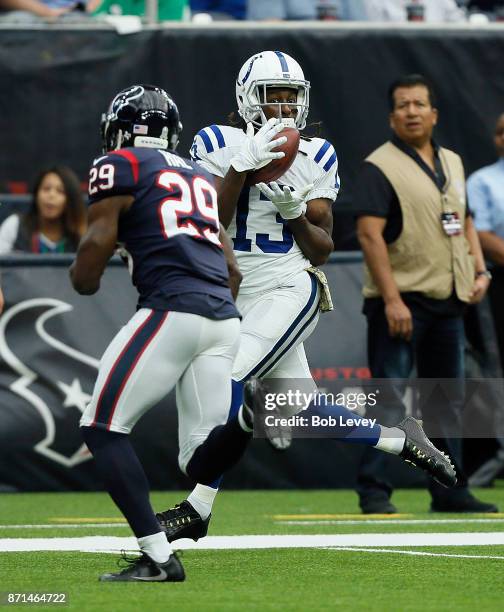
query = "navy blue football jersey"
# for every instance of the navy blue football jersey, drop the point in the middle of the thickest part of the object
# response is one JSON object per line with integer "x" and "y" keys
{"x": 170, "y": 233}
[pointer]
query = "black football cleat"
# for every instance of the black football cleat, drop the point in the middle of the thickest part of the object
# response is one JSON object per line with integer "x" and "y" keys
{"x": 377, "y": 504}
{"x": 465, "y": 502}
{"x": 279, "y": 437}
{"x": 182, "y": 521}
{"x": 420, "y": 451}
{"x": 253, "y": 400}
{"x": 144, "y": 569}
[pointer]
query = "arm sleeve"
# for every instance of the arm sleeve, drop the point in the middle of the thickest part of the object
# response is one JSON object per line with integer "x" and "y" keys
{"x": 373, "y": 194}
{"x": 8, "y": 234}
{"x": 113, "y": 174}
{"x": 481, "y": 207}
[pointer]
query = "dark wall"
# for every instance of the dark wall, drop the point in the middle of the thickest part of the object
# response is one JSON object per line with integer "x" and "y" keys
{"x": 56, "y": 83}
{"x": 51, "y": 340}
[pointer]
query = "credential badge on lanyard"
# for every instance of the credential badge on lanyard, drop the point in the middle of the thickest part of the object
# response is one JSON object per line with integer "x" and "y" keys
{"x": 452, "y": 226}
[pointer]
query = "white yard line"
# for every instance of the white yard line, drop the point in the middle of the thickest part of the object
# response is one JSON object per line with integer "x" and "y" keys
{"x": 416, "y": 553}
{"x": 372, "y": 540}
{"x": 394, "y": 522}
{"x": 426, "y": 521}
{"x": 66, "y": 526}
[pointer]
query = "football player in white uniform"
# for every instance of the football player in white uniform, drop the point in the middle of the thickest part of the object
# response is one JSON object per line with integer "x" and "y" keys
{"x": 280, "y": 232}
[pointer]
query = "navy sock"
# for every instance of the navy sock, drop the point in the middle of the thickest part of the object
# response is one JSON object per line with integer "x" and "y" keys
{"x": 124, "y": 478}
{"x": 355, "y": 434}
{"x": 236, "y": 398}
{"x": 219, "y": 452}
{"x": 223, "y": 447}
{"x": 236, "y": 402}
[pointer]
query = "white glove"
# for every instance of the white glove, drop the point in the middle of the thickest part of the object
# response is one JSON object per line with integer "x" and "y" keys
{"x": 256, "y": 150}
{"x": 290, "y": 204}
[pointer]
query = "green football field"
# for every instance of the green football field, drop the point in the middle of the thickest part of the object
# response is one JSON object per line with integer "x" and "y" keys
{"x": 415, "y": 560}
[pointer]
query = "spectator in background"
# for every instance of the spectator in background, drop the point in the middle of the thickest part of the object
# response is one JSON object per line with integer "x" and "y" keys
{"x": 423, "y": 265}
{"x": 220, "y": 9}
{"x": 493, "y": 9}
{"x": 485, "y": 189}
{"x": 351, "y": 10}
{"x": 396, "y": 10}
{"x": 56, "y": 219}
{"x": 277, "y": 10}
{"x": 30, "y": 11}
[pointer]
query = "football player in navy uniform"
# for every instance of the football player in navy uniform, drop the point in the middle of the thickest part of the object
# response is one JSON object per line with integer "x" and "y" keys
{"x": 162, "y": 211}
{"x": 280, "y": 233}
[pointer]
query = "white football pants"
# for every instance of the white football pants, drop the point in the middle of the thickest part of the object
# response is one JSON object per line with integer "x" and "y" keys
{"x": 156, "y": 351}
{"x": 275, "y": 324}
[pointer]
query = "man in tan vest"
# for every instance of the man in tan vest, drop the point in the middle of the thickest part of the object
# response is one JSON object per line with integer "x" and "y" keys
{"x": 423, "y": 264}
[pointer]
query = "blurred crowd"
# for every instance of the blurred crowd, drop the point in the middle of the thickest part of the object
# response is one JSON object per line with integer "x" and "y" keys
{"x": 55, "y": 219}
{"x": 205, "y": 11}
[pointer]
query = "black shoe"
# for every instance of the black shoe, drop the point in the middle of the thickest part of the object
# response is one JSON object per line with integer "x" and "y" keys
{"x": 254, "y": 397}
{"x": 144, "y": 569}
{"x": 464, "y": 503}
{"x": 253, "y": 400}
{"x": 420, "y": 451}
{"x": 377, "y": 505}
{"x": 280, "y": 437}
{"x": 182, "y": 521}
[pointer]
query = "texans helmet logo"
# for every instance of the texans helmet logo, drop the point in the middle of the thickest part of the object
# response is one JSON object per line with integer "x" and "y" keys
{"x": 58, "y": 380}
{"x": 125, "y": 97}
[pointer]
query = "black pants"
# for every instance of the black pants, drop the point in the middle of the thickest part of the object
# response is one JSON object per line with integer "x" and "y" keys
{"x": 437, "y": 349}
{"x": 496, "y": 298}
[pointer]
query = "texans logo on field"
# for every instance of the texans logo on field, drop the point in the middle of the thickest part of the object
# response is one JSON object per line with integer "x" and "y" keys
{"x": 54, "y": 378}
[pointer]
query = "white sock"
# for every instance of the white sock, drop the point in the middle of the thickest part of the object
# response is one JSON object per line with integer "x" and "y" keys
{"x": 241, "y": 421}
{"x": 391, "y": 440}
{"x": 201, "y": 499}
{"x": 156, "y": 546}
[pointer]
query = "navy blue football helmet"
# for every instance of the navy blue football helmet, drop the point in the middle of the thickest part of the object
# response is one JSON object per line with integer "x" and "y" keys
{"x": 141, "y": 116}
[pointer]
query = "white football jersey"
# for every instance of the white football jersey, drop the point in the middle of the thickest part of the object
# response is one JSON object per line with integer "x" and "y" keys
{"x": 264, "y": 245}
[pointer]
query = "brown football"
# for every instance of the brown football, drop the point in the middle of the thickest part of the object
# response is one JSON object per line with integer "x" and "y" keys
{"x": 277, "y": 167}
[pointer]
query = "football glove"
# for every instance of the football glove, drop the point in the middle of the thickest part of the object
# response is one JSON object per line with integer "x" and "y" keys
{"x": 290, "y": 204}
{"x": 256, "y": 151}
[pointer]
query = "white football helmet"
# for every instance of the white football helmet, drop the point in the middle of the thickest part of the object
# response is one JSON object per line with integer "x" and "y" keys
{"x": 270, "y": 69}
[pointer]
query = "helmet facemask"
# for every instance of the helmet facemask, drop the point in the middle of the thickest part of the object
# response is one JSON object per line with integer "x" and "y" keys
{"x": 254, "y": 101}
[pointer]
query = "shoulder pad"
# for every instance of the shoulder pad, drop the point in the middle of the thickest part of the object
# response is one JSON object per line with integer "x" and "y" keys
{"x": 321, "y": 151}
{"x": 131, "y": 155}
{"x": 214, "y": 137}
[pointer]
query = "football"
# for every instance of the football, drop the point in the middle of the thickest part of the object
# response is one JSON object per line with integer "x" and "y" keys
{"x": 277, "y": 167}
